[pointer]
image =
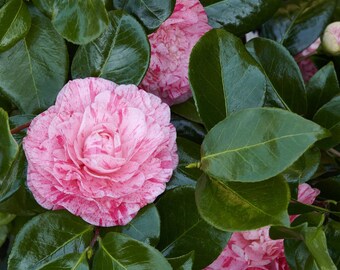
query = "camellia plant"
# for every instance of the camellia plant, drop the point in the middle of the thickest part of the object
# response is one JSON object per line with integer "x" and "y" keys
{"x": 163, "y": 134}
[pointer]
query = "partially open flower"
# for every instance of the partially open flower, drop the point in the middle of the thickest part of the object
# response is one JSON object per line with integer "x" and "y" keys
{"x": 102, "y": 152}
{"x": 331, "y": 39}
{"x": 171, "y": 46}
{"x": 254, "y": 250}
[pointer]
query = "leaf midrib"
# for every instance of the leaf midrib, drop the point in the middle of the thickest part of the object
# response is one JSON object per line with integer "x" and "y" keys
{"x": 256, "y": 145}
{"x": 108, "y": 253}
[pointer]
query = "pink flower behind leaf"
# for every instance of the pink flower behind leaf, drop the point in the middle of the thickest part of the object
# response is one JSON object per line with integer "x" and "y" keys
{"x": 102, "y": 152}
{"x": 254, "y": 250}
{"x": 171, "y": 46}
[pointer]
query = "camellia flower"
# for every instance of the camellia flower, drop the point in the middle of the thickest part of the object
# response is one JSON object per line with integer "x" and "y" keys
{"x": 306, "y": 65}
{"x": 171, "y": 46}
{"x": 254, "y": 250}
{"x": 331, "y": 38}
{"x": 102, "y": 152}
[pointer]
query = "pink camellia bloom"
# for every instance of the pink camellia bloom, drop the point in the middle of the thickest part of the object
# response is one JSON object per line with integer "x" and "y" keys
{"x": 306, "y": 65}
{"x": 102, "y": 152}
{"x": 171, "y": 46}
{"x": 254, "y": 250}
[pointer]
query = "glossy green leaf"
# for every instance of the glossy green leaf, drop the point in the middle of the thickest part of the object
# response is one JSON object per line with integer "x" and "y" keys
{"x": 321, "y": 88}
{"x": 121, "y": 54}
{"x": 3, "y": 234}
{"x": 145, "y": 227}
{"x": 315, "y": 241}
{"x": 257, "y": 144}
{"x": 234, "y": 206}
{"x": 15, "y": 176}
{"x": 15, "y": 21}
{"x": 188, "y": 152}
{"x": 79, "y": 22}
{"x": 285, "y": 83}
{"x": 328, "y": 116}
{"x": 304, "y": 168}
{"x": 298, "y": 23}
{"x": 151, "y": 13}
{"x": 47, "y": 237}
{"x": 118, "y": 251}
{"x": 187, "y": 110}
{"x": 6, "y": 218}
{"x": 8, "y": 146}
{"x": 184, "y": 262}
{"x": 41, "y": 60}
{"x": 72, "y": 261}
{"x": 283, "y": 232}
{"x": 188, "y": 130}
{"x": 224, "y": 77}
{"x": 239, "y": 17}
{"x": 183, "y": 230}
{"x": 332, "y": 232}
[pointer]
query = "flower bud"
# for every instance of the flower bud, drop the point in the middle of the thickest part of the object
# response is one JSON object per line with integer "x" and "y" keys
{"x": 331, "y": 39}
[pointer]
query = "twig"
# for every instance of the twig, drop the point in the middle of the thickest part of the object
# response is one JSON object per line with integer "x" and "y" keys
{"x": 334, "y": 152}
{"x": 20, "y": 128}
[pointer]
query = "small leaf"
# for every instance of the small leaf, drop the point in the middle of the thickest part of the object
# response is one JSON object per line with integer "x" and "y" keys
{"x": 79, "y": 22}
{"x": 235, "y": 206}
{"x": 285, "y": 83}
{"x": 321, "y": 88}
{"x": 121, "y": 54}
{"x": 257, "y": 144}
{"x": 224, "y": 77}
{"x": 72, "y": 261}
{"x": 47, "y": 237}
{"x": 333, "y": 241}
{"x": 41, "y": 60}
{"x": 184, "y": 262}
{"x": 3, "y": 234}
{"x": 183, "y": 230}
{"x": 8, "y": 146}
{"x": 151, "y": 13}
{"x": 328, "y": 116}
{"x": 239, "y": 17}
{"x": 15, "y": 177}
{"x": 187, "y": 110}
{"x": 298, "y": 23}
{"x": 15, "y": 21}
{"x": 6, "y": 218}
{"x": 118, "y": 251}
{"x": 188, "y": 152}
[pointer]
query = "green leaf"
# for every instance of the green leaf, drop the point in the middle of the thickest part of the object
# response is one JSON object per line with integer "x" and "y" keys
{"x": 224, "y": 77}
{"x": 332, "y": 232}
{"x": 328, "y": 116}
{"x": 3, "y": 234}
{"x": 183, "y": 230}
{"x": 239, "y": 17}
{"x": 187, "y": 110}
{"x": 145, "y": 227}
{"x": 188, "y": 130}
{"x": 257, "y": 144}
{"x": 315, "y": 241}
{"x": 79, "y": 22}
{"x": 73, "y": 261}
{"x": 151, "y": 13}
{"x": 8, "y": 146}
{"x": 41, "y": 60}
{"x": 121, "y": 54}
{"x": 6, "y": 218}
{"x": 330, "y": 188}
{"x": 47, "y": 237}
{"x": 118, "y": 251}
{"x": 184, "y": 262}
{"x": 304, "y": 168}
{"x": 188, "y": 152}
{"x": 298, "y": 23}
{"x": 15, "y": 21}
{"x": 15, "y": 177}
{"x": 234, "y": 206}
{"x": 321, "y": 88}
{"x": 285, "y": 83}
